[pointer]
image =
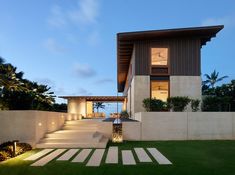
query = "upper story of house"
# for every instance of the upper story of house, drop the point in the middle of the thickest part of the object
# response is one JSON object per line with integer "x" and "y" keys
{"x": 161, "y": 53}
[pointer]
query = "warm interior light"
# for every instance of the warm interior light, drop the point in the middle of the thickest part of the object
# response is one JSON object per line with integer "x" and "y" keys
{"x": 159, "y": 56}
{"x": 52, "y": 123}
{"x": 39, "y": 124}
{"x": 159, "y": 90}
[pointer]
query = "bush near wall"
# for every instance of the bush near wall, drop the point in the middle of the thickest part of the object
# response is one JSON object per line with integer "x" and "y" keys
{"x": 154, "y": 105}
{"x": 6, "y": 150}
{"x": 178, "y": 104}
{"x": 214, "y": 103}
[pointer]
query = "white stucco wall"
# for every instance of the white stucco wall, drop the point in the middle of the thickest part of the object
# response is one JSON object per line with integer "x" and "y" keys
{"x": 77, "y": 106}
{"x": 29, "y": 126}
{"x": 186, "y": 125}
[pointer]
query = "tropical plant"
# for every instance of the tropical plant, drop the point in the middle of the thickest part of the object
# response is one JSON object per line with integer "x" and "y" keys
{"x": 195, "y": 104}
{"x": 99, "y": 105}
{"x": 178, "y": 103}
{"x": 153, "y": 104}
{"x": 213, "y": 79}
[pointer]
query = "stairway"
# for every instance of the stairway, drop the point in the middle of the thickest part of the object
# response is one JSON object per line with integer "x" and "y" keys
{"x": 75, "y": 134}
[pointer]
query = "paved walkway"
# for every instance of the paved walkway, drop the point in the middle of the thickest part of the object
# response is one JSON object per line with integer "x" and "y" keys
{"x": 94, "y": 158}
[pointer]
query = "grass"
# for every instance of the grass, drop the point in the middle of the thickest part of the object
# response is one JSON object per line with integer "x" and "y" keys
{"x": 188, "y": 157}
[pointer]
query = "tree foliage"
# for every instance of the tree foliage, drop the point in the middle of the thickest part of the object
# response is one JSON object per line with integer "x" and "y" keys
{"x": 17, "y": 93}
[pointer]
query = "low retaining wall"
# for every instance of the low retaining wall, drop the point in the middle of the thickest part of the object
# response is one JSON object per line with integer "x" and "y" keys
{"x": 186, "y": 125}
{"x": 30, "y": 126}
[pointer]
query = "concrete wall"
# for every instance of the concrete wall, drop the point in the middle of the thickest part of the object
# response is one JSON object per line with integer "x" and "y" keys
{"x": 131, "y": 130}
{"x": 29, "y": 126}
{"x": 137, "y": 92}
{"x": 186, "y": 125}
{"x": 186, "y": 86}
{"x": 77, "y": 106}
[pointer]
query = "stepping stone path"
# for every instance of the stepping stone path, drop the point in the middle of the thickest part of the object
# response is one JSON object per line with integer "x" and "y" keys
{"x": 43, "y": 161}
{"x": 81, "y": 157}
{"x": 142, "y": 155}
{"x": 68, "y": 154}
{"x": 112, "y": 156}
{"x": 96, "y": 158}
{"x": 39, "y": 154}
{"x": 162, "y": 160}
{"x": 47, "y": 155}
{"x": 128, "y": 158}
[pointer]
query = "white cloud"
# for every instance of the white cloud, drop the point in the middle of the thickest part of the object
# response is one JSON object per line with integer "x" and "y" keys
{"x": 53, "y": 46}
{"x": 104, "y": 81}
{"x": 228, "y": 21}
{"x": 82, "y": 91}
{"x": 57, "y": 18}
{"x": 85, "y": 13}
{"x": 84, "y": 71}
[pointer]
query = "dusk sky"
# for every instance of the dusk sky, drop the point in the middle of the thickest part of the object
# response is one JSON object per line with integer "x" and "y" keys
{"x": 71, "y": 44}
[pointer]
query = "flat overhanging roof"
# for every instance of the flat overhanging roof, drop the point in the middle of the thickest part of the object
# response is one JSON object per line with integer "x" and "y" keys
{"x": 97, "y": 98}
{"x": 126, "y": 40}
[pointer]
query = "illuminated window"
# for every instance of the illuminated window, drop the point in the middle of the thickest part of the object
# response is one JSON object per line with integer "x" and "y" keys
{"x": 159, "y": 90}
{"x": 159, "y": 56}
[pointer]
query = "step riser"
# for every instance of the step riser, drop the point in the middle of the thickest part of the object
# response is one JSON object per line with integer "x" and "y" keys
{"x": 77, "y": 145}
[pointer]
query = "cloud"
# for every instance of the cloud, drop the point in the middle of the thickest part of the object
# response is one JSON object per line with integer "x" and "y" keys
{"x": 84, "y": 71}
{"x": 57, "y": 18}
{"x": 86, "y": 12}
{"x": 104, "y": 81}
{"x": 228, "y": 21}
{"x": 53, "y": 46}
{"x": 82, "y": 91}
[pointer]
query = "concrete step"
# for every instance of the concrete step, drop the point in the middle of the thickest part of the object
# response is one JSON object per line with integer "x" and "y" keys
{"x": 101, "y": 144}
{"x": 83, "y": 122}
{"x": 96, "y": 137}
{"x": 66, "y": 134}
{"x": 74, "y": 127}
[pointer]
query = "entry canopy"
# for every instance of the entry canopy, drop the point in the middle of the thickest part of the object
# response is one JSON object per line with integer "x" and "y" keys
{"x": 97, "y": 98}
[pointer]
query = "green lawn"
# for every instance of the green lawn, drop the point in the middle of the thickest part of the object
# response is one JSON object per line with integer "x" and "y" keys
{"x": 188, "y": 157}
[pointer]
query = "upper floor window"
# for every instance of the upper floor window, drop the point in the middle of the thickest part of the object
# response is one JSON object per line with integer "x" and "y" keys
{"x": 159, "y": 56}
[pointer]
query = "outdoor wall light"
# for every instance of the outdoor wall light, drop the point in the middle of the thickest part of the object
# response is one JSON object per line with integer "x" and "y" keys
{"x": 117, "y": 131}
{"x": 52, "y": 123}
{"x": 14, "y": 142}
{"x": 39, "y": 124}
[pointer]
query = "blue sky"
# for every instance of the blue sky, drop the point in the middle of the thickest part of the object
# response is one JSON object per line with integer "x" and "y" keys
{"x": 71, "y": 44}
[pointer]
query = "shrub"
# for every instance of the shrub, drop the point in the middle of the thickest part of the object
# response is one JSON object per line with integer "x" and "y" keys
{"x": 214, "y": 103}
{"x": 195, "y": 105}
{"x": 178, "y": 103}
{"x": 154, "y": 105}
{"x": 124, "y": 114}
{"x": 4, "y": 155}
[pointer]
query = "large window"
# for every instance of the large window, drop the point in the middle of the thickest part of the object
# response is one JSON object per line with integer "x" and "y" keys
{"x": 159, "y": 56}
{"x": 160, "y": 90}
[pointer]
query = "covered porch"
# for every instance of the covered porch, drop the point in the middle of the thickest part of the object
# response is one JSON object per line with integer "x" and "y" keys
{"x": 85, "y": 106}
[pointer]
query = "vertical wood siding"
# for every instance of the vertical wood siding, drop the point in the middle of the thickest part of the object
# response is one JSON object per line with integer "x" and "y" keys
{"x": 184, "y": 56}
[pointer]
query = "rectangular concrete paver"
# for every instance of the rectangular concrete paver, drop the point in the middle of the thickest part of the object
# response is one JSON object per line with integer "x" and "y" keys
{"x": 43, "y": 161}
{"x": 128, "y": 158}
{"x": 112, "y": 156}
{"x": 39, "y": 154}
{"x": 142, "y": 155}
{"x": 68, "y": 154}
{"x": 161, "y": 159}
{"x": 81, "y": 157}
{"x": 96, "y": 158}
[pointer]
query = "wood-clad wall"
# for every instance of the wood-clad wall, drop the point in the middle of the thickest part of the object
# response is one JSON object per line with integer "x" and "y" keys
{"x": 184, "y": 56}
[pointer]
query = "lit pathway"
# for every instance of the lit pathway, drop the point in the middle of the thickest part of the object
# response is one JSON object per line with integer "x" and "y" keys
{"x": 43, "y": 161}
{"x": 39, "y": 154}
{"x": 142, "y": 155}
{"x": 96, "y": 158}
{"x": 81, "y": 157}
{"x": 112, "y": 156}
{"x": 128, "y": 158}
{"x": 158, "y": 156}
{"x": 47, "y": 155}
{"x": 68, "y": 154}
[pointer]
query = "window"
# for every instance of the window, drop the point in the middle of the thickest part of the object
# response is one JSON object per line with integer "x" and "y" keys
{"x": 159, "y": 56}
{"x": 160, "y": 90}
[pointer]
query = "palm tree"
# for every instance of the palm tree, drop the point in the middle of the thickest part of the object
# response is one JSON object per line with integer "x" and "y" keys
{"x": 98, "y": 105}
{"x": 213, "y": 79}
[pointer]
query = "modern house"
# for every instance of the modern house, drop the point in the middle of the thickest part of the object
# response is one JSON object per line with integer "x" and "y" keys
{"x": 161, "y": 63}
{"x": 156, "y": 64}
